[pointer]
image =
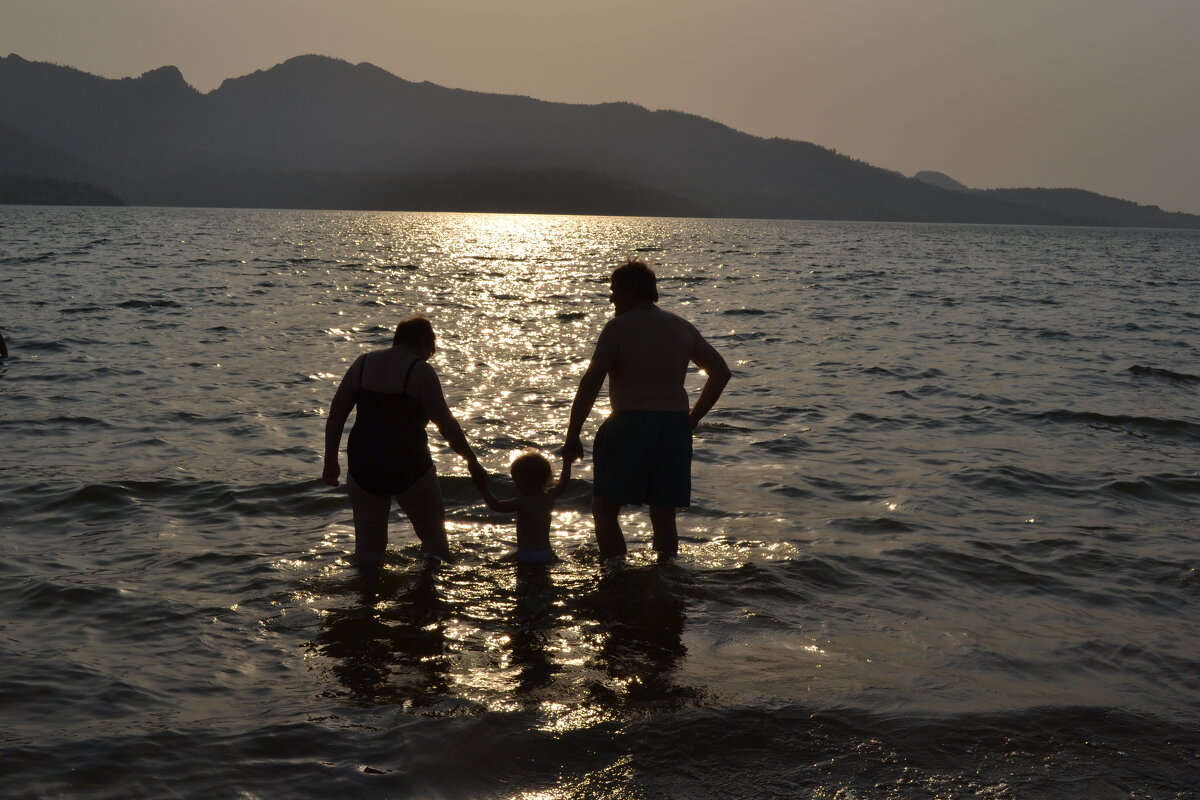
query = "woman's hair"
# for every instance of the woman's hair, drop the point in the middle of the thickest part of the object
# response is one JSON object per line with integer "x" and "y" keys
{"x": 637, "y": 278}
{"x": 531, "y": 468}
{"x": 413, "y": 331}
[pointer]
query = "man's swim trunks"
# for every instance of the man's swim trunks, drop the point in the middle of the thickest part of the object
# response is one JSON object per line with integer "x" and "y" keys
{"x": 644, "y": 457}
{"x": 388, "y": 450}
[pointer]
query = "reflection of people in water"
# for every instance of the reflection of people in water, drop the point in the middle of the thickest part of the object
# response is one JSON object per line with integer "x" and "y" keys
{"x": 397, "y": 393}
{"x": 533, "y": 505}
{"x": 639, "y": 615}
{"x": 643, "y": 451}
{"x": 3, "y": 347}
{"x": 533, "y": 618}
{"x": 390, "y": 646}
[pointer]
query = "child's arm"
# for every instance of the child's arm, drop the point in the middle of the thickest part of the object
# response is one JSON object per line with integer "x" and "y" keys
{"x": 485, "y": 488}
{"x": 557, "y": 489}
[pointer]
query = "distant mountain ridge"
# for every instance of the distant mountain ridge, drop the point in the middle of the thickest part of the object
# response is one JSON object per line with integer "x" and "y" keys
{"x": 940, "y": 179}
{"x": 24, "y": 190}
{"x": 1087, "y": 208}
{"x": 321, "y": 132}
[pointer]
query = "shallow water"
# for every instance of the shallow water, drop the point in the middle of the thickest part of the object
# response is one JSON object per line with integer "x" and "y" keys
{"x": 942, "y": 541}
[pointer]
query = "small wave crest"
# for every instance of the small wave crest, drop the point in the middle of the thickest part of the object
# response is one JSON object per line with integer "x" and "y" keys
{"x": 1156, "y": 427}
{"x": 1165, "y": 374}
{"x": 149, "y": 304}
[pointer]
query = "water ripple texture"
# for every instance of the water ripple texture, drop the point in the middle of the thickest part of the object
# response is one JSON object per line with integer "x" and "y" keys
{"x": 942, "y": 541}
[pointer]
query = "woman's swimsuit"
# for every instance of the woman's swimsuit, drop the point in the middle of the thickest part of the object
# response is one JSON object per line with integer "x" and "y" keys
{"x": 388, "y": 450}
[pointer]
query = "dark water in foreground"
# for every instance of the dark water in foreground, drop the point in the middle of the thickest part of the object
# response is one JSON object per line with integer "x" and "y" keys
{"x": 943, "y": 541}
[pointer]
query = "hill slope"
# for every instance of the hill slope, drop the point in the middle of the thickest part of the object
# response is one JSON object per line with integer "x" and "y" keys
{"x": 316, "y": 131}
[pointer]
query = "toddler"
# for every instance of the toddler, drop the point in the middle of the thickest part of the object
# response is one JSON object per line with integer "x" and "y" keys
{"x": 532, "y": 476}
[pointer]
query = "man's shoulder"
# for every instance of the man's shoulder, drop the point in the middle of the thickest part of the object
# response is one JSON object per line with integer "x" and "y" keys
{"x": 642, "y": 318}
{"x": 675, "y": 318}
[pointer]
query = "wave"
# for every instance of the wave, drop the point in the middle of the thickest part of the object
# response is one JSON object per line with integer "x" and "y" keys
{"x": 872, "y": 525}
{"x": 198, "y": 500}
{"x": 149, "y": 304}
{"x": 1166, "y": 488}
{"x": 905, "y": 373}
{"x": 1146, "y": 427}
{"x": 775, "y": 751}
{"x": 40, "y": 258}
{"x": 1005, "y": 481}
{"x": 1158, "y": 372}
{"x": 1008, "y": 480}
{"x": 53, "y": 425}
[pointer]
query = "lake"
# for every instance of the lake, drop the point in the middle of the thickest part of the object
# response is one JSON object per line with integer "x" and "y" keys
{"x": 942, "y": 541}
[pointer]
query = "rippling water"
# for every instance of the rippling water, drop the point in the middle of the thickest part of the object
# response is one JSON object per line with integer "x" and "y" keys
{"x": 943, "y": 540}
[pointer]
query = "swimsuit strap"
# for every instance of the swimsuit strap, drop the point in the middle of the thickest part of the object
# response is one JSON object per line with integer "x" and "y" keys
{"x": 409, "y": 373}
{"x": 361, "y": 365}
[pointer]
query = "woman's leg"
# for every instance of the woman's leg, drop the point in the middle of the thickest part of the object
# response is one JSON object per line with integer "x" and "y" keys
{"x": 370, "y": 524}
{"x": 422, "y": 503}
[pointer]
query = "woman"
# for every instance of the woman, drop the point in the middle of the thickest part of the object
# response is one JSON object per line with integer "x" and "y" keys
{"x": 397, "y": 393}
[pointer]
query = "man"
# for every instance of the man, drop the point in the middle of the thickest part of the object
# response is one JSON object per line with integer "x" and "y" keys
{"x": 643, "y": 451}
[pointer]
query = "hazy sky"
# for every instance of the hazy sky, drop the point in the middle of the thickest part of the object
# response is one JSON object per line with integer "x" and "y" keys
{"x": 1093, "y": 94}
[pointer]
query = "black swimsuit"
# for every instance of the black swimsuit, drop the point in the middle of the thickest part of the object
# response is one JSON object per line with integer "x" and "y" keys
{"x": 388, "y": 449}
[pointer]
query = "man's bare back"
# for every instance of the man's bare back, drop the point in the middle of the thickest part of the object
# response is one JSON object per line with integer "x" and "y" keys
{"x": 646, "y": 352}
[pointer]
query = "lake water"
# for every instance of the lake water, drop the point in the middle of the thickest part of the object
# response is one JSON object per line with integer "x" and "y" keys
{"x": 943, "y": 540}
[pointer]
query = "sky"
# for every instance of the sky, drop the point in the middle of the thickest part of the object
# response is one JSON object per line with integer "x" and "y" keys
{"x": 1090, "y": 94}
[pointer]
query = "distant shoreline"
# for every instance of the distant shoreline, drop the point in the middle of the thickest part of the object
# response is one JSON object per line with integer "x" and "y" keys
{"x": 329, "y": 209}
{"x": 320, "y": 132}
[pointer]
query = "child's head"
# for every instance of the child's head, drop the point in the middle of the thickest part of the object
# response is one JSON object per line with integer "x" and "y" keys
{"x": 531, "y": 472}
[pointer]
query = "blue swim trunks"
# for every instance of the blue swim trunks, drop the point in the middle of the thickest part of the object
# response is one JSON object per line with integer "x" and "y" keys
{"x": 644, "y": 457}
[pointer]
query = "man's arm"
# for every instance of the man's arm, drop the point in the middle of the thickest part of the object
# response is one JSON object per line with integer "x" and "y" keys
{"x": 581, "y": 406}
{"x": 708, "y": 359}
{"x": 589, "y": 389}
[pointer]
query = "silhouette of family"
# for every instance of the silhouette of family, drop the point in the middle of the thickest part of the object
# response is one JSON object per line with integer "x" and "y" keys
{"x": 641, "y": 453}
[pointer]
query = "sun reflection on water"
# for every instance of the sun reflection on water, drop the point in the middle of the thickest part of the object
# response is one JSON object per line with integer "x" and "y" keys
{"x": 574, "y": 643}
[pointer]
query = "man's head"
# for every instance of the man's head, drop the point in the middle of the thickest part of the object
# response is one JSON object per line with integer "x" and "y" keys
{"x": 635, "y": 280}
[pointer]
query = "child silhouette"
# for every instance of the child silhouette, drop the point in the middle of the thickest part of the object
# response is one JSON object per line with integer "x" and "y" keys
{"x": 532, "y": 476}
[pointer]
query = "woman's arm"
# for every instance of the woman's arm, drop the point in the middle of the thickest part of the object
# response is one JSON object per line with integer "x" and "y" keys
{"x": 339, "y": 410}
{"x": 433, "y": 402}
{"x": 493, "y": 502}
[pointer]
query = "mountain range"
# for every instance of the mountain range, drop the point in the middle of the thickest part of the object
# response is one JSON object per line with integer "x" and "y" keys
{"x": 318, "y": 132}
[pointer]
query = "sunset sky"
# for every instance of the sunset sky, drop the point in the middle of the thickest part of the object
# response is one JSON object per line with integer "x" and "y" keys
{"x": 1092, "y": 94}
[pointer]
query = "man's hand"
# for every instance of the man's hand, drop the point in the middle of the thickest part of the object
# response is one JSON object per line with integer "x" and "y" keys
{"x": 572, "y": 449}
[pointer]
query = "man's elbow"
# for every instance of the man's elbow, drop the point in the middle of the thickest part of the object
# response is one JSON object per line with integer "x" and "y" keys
{"x": 719, "y": 374}
{"x": 590, "y": 384}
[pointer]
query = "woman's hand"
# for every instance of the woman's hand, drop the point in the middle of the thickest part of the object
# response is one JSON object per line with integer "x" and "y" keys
{"x": 478, "y": 474}
{"x": 331, "y": 473}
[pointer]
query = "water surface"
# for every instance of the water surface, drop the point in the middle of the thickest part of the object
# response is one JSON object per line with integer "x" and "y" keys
{"x": 942, "y": 541}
